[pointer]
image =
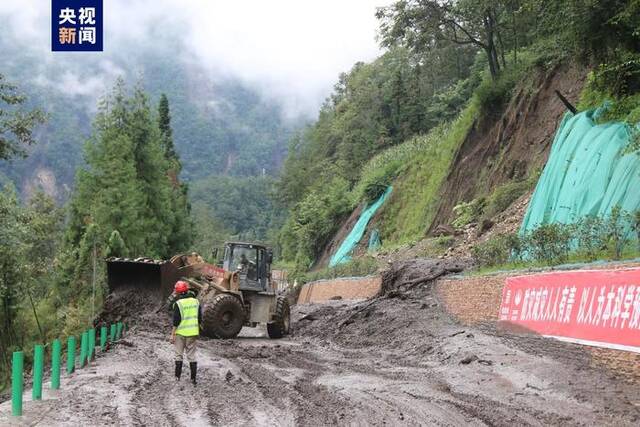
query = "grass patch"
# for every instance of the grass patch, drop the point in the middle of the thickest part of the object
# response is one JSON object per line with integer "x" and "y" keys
{"x": 504, "y": 195}
{"x": 436, "y": 246}
{"x": 382, "y": 169}
{"x": 413, "y": 203}
{"x": 575, "y": 258}
{"x": 361, "y": 266}
{"x": 618, "y": 84}
{"x": 592, "y": 238}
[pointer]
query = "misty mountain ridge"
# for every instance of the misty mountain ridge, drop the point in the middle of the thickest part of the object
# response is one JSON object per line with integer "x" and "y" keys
{"x": 221, "y": 125}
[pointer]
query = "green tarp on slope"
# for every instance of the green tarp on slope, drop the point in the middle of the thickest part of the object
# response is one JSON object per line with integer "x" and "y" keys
{"x": 588, "y": 173}
{"x": 343, "y": 254}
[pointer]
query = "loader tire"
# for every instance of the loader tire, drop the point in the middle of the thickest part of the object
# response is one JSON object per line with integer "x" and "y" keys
{"x": 224, "y": 317}
{"x": 282, "y": 319}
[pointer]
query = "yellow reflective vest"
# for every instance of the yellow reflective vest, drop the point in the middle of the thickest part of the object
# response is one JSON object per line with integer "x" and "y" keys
{"x": 188, "y": 326}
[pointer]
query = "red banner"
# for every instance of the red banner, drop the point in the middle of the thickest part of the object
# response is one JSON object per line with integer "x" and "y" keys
{"x": 593, "y": 307}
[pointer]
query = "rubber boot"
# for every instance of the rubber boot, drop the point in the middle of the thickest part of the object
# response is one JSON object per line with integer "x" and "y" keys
{"x": 178, "y": 369}
{"x": 194, "y": 369}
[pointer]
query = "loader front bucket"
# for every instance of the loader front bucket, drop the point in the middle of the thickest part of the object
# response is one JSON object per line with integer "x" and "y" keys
{"x": 141, "y": 273}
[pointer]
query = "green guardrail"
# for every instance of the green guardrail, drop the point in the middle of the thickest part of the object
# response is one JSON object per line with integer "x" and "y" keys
{"x": 17, "y": 383}
{"x": 110, "y": 334}
{"x": 71, "y": 355}
{"x": 56, "y": 350}
{"x": 103, "y": 338}
{"x": 38, "y": 368}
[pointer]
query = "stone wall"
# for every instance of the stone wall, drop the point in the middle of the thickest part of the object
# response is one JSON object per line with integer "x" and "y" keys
{"x": 351, "y": 288}
{"x": 476, "y": 299}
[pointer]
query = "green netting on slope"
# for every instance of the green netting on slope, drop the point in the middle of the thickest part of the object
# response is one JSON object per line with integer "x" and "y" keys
{"x": 588, "y": 173}
{"x": 343, "y": 254}
{"x": 374, "y": 240}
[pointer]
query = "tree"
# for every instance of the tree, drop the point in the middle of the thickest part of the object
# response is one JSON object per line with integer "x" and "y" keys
{"x": 164, "y": 124}
{"x": 13, "y": 257}
{"x": 125, "y": 203}
{"x": 116, "y": 246}
{"x": 123, "y": 199}
{"x": 180, "y": 236}
{"x": 151, "y": 170}
{"x": 211, "y": 231}
{"x": 426, "y": 25}
{"x": 29, "y": 235}
{"x": 45, "y": 222}
{"x": 16, "y": 125}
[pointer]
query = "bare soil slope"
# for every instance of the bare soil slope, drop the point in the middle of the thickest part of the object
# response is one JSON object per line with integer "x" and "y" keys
{"x": 499, "y": 149}
{"x": 333, "y": 245}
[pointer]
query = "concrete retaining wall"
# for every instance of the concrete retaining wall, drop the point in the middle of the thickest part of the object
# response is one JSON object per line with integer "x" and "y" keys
{"x": 346, "y": 288}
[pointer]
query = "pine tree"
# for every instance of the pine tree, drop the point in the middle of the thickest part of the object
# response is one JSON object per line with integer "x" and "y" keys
{"x": 164, "y": 124}
{"x": 180, "y": 237}
{"x": 108, "y": 196}
{"x": 112, "y": 186}
{"x": 151, "y": 169}
{"x": 116, "y": 246}
{"x": 125, "y": 202}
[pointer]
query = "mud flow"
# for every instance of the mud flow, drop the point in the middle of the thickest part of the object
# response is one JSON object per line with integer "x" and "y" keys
{"x": 395, "y": 360}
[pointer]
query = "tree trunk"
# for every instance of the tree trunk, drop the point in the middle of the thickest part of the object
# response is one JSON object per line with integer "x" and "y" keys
{"x": 504, "y": 61}
{"x": 515, "y": 38}
{"x": 490, "y": 47}
{"x": 492, "y": 65}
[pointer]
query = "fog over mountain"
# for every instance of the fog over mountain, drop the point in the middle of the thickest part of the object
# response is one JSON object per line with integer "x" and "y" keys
{"x": 289, "y": 51}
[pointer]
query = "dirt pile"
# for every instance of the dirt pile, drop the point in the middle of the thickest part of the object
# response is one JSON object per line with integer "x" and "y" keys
{"x": 507, "y": 222}
{"x": 405, "y": 301}
{"x": 403, "y": 276}
{"x": 133, "y": 305}
{"x": 461, "y": 243}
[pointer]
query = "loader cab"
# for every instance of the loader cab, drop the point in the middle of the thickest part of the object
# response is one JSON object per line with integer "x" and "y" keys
{"x": 251, "y": 261}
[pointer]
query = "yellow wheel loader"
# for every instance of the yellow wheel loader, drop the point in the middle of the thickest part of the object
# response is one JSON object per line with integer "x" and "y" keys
{"x": 240, "y": 293}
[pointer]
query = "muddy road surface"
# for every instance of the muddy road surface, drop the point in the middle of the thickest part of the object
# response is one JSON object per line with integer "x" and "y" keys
{"x": 396, "y": 360}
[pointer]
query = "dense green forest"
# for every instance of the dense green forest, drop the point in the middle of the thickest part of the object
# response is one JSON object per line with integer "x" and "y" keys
{"x": 221, "y": 126}
{"x": 127, "y": 200}
{"x": 448, "y": 66}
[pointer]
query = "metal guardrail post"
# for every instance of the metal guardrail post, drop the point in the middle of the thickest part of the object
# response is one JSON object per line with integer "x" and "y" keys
{"x": 71, "y": 355}
{"x": 38, "y": 367}
{"x": 56, "y": 349}
{"x": 103, "y": 338}
{"x": 91, "y": 344}
{"x": 17, "y": 383}
{"x": 84, "y": 338}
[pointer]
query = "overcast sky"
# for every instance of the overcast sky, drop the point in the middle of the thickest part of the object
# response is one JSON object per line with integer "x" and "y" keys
{"x": 292, "y": 50}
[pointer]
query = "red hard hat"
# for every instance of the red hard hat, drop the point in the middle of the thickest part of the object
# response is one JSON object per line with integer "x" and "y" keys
{"x": 181, "y": 287}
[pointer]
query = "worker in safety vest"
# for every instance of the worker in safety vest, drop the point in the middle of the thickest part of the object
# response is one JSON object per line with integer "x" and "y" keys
{"x": 187, "y": 316}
